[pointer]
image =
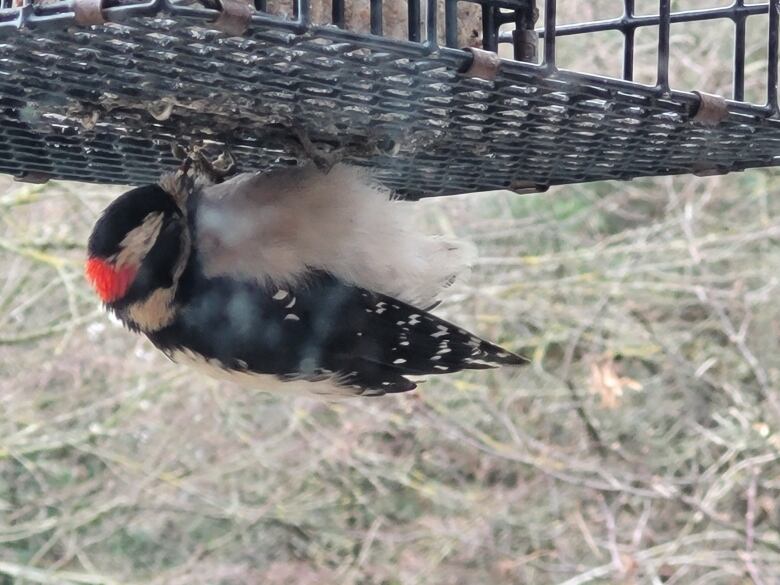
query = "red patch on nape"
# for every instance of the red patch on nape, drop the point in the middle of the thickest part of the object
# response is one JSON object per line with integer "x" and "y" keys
{"x": 110, "y": 282}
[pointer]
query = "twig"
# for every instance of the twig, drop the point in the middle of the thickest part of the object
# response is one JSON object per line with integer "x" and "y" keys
{"x": 54, "y": 577}
{"x": 750, "y": 519}
{"x": 568, "y": 358}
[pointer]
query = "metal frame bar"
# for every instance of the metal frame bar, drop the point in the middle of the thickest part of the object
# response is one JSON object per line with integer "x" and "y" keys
{"x": 629, "y": 22}
{"x": 495, "y": 14}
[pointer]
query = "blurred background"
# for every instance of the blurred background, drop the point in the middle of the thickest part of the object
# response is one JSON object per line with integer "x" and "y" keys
{"x": 641, "y": 444}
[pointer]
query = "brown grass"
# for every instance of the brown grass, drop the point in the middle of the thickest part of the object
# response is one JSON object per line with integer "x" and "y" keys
{"x": 660, "y": 467}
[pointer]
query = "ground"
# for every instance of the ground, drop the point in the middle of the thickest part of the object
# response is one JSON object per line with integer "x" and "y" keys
{"x": 640, "y": 443}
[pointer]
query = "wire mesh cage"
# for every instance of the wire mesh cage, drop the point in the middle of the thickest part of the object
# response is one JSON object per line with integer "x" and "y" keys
{"x": 437, "y": 96}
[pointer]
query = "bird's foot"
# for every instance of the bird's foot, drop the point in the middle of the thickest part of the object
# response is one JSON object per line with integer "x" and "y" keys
{"x": 222, "y": 167}
{"x": 324, "y": 160}
{"x": 194, "y": 159}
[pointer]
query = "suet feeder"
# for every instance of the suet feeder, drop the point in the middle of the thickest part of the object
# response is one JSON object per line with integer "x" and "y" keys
{"x": 100, "y": 90}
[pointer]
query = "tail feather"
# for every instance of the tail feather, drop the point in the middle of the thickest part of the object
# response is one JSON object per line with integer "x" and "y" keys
{"x": 416, "y": 342}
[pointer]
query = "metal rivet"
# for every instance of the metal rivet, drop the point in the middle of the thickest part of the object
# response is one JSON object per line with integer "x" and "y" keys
{"x": 484, "y": 64}
{"x": 710, "y": 169}
{"x": 713, "y": 172}
{"x": 234, "y": 18}
{"x": 34, "y": 177}
{"x": 526, "y": 42}
{"x": 527, "y": 187}
{"x": 711, "y": 110}
{"x": 88, "y": 12}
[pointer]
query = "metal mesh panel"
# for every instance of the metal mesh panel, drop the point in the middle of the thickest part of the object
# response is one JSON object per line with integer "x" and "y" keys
{"x": 104, "y": 102}
{"x": 629, "y": 22}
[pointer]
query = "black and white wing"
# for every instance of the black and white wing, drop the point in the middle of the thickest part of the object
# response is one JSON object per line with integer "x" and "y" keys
{"x": 358, "y": 341}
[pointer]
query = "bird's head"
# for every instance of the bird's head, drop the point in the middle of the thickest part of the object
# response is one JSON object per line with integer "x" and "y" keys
{"x": 136, "y": 254}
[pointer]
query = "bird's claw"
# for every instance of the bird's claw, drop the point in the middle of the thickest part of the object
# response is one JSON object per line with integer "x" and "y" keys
{"x": 322, "y": 159}
{"x": 194, "y": 159}
{"x": 225, "y": 164}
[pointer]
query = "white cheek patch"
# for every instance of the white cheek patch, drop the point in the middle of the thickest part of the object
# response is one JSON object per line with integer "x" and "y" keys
{"x": 138, "y": 241}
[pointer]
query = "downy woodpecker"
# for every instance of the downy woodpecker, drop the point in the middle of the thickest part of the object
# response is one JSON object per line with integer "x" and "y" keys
{"x": 293, "y": 279}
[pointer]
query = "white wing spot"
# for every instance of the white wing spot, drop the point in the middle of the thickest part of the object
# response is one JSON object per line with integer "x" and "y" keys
{"x": 292, "y": 317}
{"x": 442, "y": 331}
{"x": 404, "y": 343}
{"x": 280, "y": 295}
{"x": 414, "y": 319}
{"x": 359, "y": 334}
{"x": 483, "y": 363}
{"x": 436, "y": 358}
{"x": 443, "y": 351}
{"x": 399, "y": 361}
{"x": 291, "y": 304}
{"x": 443, "y": 368}
{"x": 380, "y": 311}
{"x": 399, "y": 323}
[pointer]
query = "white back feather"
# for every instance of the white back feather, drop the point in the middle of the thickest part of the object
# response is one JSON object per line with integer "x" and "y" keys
{"x": 276, "y": 227}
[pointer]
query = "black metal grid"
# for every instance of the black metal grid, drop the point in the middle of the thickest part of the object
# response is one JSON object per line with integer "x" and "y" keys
{"x": 103, "y": 103}
{"x": 629, "y": 22}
